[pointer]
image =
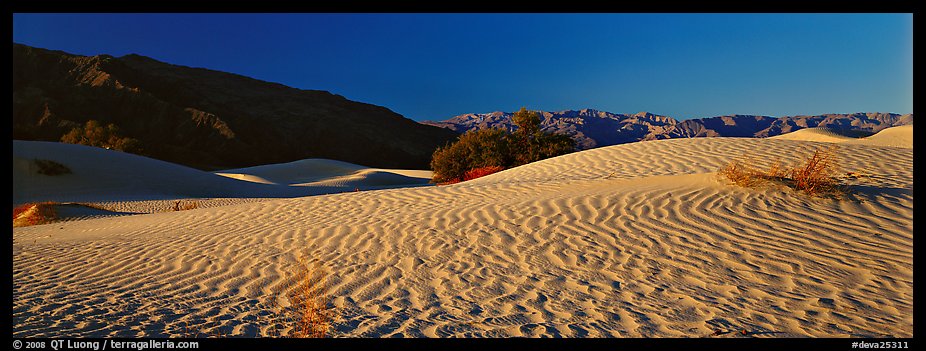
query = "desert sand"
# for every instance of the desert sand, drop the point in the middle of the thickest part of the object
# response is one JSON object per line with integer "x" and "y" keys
{"x": 900, "y": 136}
{"x": 633, "y": 240}
{"x": 814, "y": 134}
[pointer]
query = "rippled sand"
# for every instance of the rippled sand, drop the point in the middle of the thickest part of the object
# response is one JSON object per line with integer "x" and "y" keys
{"x": 634, "y": 240}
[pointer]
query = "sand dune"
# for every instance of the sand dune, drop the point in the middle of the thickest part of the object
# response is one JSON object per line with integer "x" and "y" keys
{"x": 105, "y": 175}
{"x": 900, "y": 136}
{"x": 633, "y": 240}
{"x": 322, "y": 172}
{"x": 814, "y": 134}
{"x": 302, "y": 171}
{"x": 100, "y": 175}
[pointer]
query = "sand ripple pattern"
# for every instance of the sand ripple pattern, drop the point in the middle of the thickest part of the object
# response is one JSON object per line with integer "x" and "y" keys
{"x": 637, "y": 240}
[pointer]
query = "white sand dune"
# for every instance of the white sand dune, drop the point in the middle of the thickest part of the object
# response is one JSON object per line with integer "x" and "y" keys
{"x": 900, "y": 136}
{"x": 633, "y": 240}
{"x": 302, "y": 171}
{"x": 105, "y": 175}
{"x": 814, "y": 134}
{"x": 100, "y": 175}
{"x": 330, "y": 173}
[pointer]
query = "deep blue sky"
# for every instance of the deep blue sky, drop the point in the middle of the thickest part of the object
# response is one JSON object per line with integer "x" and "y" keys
{"x": 434, "y": 66}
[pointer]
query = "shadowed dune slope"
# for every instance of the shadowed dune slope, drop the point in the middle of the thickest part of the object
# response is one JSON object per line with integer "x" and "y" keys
{"x": 105, "y": 175}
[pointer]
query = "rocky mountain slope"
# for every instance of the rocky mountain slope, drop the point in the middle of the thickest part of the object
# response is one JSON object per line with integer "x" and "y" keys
{"x": 593, "y": 128}
{"x": 208, "y": 119}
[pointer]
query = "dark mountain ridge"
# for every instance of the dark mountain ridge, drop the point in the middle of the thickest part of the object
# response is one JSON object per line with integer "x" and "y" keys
{"x": 208, "y": 119}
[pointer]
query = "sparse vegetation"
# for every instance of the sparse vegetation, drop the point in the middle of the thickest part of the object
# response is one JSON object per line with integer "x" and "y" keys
{"x": 817, "y": 175}
{"x": 307, "y": 314}
{"x": 308, "y": 309}
{"x": 34, "y": 214}
{"x": 50, "y": 168}
{"x": 93, "y": 133}
{"x": 497, "y": 148}
{"x": 188, "y": 206}
{"x": 742, "y": 174}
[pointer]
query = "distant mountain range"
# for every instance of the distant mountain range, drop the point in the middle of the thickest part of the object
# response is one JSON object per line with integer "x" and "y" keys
{"x": 208, "y": 119}
{"x": 593, "y": 128}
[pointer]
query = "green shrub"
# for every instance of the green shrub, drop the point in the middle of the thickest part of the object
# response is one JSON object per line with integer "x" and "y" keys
{"x": 93, "y": 133}
{"x": 528, "y": 122}
{"x": 498, "y": 148}
{"x": 531, "y": 144}
{"x": 473, "y": 149}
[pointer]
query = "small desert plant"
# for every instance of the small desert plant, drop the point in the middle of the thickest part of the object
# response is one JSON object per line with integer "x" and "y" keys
{"x": 815, "y": 176}
{"x": 188, "y": 206}
{"x": 50, "y": 168}
{"x": 742, "y": 174}
{"x": 308, "y": 310}
{"x": 481, "y": 172}
{"x": 33, "y": 214}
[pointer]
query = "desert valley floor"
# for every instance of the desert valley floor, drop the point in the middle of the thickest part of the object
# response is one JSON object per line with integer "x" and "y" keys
{"x": 632, "y": 240}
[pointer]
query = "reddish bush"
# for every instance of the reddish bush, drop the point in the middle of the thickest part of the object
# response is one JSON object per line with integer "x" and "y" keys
{"x": 816, "y": 176}
{"x": 481, "y": 172}
{"x": 32, "y": 214}
{"x": 18, "y": 210}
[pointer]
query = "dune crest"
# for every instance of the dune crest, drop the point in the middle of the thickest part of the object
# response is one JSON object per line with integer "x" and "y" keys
{"x": 900, "y": 136}
{"x": 322, "y": 172}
